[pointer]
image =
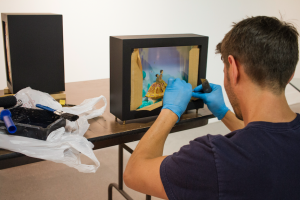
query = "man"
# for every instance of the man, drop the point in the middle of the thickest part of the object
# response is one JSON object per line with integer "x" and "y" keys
{"x": 260, "y": 158}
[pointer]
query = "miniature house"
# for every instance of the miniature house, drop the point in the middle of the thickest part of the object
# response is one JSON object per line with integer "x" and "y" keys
{"x": 140, "y": 67}
{"x": 33, "y": 50}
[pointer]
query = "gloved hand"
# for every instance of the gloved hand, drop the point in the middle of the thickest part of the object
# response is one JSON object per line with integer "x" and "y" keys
{"x": 214, "y": 100}
{"x": 177, "y": 96}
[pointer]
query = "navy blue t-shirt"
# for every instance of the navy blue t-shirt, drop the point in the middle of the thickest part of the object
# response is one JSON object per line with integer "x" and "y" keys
{"x": 260, "y": 161}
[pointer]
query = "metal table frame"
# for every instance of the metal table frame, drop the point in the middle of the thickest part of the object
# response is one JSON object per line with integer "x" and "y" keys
{"x": 119, "y": 186}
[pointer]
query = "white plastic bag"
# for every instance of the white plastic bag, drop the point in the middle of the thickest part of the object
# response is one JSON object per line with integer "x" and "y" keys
{"x": 30, "y": 97}
{"x": 86, "y": 108}
{"x": 60, "y": 147}
{"x": 63, "y": 145}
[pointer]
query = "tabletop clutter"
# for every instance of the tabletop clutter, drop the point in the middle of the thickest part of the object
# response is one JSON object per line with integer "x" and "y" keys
{"x": 35, "y": 124}
{"x": 32, "y": 122}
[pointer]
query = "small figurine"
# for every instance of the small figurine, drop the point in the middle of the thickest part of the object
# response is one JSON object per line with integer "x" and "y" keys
{"x": 157, "y": 89}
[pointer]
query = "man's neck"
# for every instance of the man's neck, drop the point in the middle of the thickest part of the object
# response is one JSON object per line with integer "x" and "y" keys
{"x": 266, "y": 106}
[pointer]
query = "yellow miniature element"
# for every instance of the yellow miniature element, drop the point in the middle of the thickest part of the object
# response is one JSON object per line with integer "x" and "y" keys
{"x": 157, "y": 89}
{"x": 62, "y": 102}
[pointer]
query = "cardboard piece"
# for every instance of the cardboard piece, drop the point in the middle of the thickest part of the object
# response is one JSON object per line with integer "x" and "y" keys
{"x": 59, "y": 96}
{"x": 136, "y": 98}
{"x": 193, "y": 67}
{"x": 6, "y": 91}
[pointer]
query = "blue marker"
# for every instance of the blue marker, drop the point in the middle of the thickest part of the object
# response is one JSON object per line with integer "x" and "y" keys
{"x": 5, "y": 116}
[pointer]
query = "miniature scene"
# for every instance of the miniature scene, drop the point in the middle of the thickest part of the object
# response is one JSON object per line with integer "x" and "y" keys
{"x": 151, "y": 70}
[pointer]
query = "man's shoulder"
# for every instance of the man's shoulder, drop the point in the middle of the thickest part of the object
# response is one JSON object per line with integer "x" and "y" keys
{"x": 256, "y": 140}
{"x": 209, "y": 139}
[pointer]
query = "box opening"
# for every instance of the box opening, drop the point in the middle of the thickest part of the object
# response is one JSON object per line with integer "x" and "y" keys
{"x": 151, "y": 69}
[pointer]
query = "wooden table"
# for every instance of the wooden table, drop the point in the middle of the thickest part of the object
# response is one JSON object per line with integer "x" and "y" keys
{"x": 104, "y": 131}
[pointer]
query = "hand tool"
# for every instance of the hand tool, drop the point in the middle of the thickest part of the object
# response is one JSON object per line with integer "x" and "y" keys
{"x": 63, "y": 114}
{"x": 205, "y": 86}
{"x": 5, "y": 116}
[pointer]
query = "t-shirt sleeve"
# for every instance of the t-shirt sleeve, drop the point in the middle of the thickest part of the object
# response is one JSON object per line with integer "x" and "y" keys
{"x": 191, "y": 172}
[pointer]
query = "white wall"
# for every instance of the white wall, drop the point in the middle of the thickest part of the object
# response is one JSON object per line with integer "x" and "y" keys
{"x": 88, "y": 25}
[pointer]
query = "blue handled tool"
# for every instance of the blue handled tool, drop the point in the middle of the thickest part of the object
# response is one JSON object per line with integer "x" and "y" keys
{"x": 45, "y": 108}
{"x": 5, "y": 116}
{"x": 64, "y": 115}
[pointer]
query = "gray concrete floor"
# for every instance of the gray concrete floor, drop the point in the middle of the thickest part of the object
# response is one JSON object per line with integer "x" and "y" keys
{"x": 48, "y": 181}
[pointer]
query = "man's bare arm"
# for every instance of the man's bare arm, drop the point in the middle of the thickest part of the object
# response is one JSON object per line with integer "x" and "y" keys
{"x": 232, "y": 122}
{"x": 143, "y": 169}
{"x": 142, "y": 172}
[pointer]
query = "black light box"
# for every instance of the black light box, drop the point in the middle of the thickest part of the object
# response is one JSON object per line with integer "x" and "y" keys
{"x": 34, "y": 55}
{"x": 140, "y": 67}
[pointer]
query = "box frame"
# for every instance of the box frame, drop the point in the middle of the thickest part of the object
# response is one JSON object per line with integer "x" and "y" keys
{"x": 121, "y": 48}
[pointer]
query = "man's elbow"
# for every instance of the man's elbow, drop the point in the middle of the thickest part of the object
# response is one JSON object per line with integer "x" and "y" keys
{"x": 128, "y": 178}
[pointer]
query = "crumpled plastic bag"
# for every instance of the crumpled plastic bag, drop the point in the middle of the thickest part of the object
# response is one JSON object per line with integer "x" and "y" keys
{"x": 63, "y": 145}
{"x": 88, "y": 107}
{"x": 31, "y": 97}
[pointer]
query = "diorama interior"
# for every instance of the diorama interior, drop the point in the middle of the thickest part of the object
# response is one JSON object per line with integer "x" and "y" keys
{"x": 151, "y": 69}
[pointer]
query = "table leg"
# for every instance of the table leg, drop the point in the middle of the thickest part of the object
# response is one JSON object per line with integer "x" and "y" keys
{"x": 119, "y": 187}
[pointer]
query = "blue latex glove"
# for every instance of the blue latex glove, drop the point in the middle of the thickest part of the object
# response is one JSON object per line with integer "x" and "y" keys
{"x": 177, "y": 96}
{"x": 214, "y": 100}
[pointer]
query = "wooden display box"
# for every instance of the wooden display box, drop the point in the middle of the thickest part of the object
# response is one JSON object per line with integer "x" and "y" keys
{"x": 136, "y": 62}
{"x": 33, "y": 46}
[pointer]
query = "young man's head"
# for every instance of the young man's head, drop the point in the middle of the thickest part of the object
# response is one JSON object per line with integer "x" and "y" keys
{"x": 265, "y": 48}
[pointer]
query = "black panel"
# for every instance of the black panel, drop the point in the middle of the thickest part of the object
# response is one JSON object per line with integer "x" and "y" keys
{"x": 116, "y": 70}
{"x": 36, "y": 52}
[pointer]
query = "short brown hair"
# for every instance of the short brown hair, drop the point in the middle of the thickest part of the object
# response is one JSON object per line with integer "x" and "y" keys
{"x": 267, "y": 48}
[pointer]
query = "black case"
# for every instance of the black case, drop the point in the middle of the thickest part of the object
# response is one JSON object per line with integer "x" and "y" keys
{"x": 34, "y": 123}
{"x": 121, "y": 48}
{"x": 33, "y": 45}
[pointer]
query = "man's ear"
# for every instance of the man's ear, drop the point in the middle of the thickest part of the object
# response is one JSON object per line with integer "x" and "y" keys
{"x": 233, "y": 70}
{"x": 291, "y": 77}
